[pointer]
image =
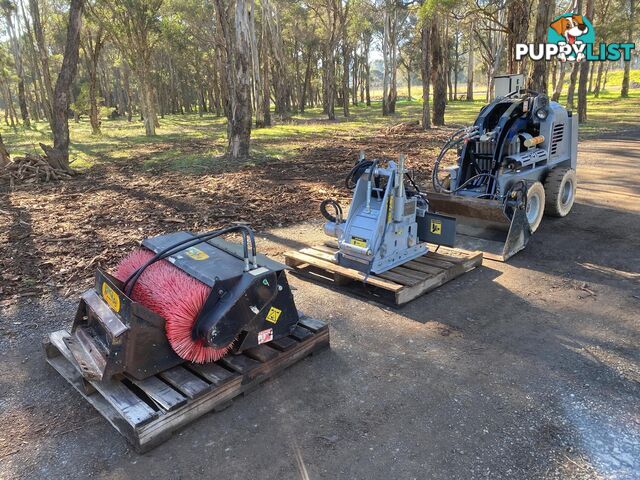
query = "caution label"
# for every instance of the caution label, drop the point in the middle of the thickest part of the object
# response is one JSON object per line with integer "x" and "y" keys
{"x": 273, "y": 315}
{"x": 111, "y": 297}
{"x": 196, "y": 253}
{"x": 359, "y": 242}
{"x": 265, "y": 336}
{"x": 436, "y": 227}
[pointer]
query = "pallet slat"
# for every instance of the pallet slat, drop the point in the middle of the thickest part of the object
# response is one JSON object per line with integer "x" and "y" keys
{"x": 294, "y": 258}
{"x": 161, "y": 393}
{"x": 262, "y": 353}
{"x": 301, "y": 333}
{"x": 240, "y": 363}
{"x": 225, "y": 384}
{"x": 134, "y": 410}
{"x": 396, "y": 286}
{"x": 185, "y": 381}
{"x": 213, "y": 372}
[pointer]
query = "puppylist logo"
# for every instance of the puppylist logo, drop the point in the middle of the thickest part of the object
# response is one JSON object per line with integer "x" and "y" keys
{"x": 571, "y": 38}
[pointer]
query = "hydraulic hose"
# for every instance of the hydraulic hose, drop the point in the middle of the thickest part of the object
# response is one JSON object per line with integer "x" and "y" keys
{"x": 356, "y": 172}
{"x": 336, "y": 207}
{"x": 190, "y": 242}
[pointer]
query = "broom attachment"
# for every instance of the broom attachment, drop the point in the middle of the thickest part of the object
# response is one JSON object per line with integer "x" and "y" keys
{"x": 176, "y": 297}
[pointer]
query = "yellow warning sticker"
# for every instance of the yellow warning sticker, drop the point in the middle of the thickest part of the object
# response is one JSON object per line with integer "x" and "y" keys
{"x": 359, "y": 242}
{"x": 196, "y": 253}
{"x": 273, "y": 315}
{"x": 111, "y": 297}
{"x": 436, "y": 227}
{"x": 389, "y": 208}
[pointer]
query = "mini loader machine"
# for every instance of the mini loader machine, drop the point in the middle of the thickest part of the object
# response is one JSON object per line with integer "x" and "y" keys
{"x": 516, "y": 163}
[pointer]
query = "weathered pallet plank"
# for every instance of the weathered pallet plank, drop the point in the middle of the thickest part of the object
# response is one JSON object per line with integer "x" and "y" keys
{"x": 186, "y": 382}
{"x": 162, "y": 394}
{"x": 294, "y": 258}
{"x": 134, "y": 410}
{"x": 213, "y": 372}
{"x": 265, "y": 362}
{"x": 398, "y": 285}
{"x": 262, "y": 353}
{"x": 240, "y": 363}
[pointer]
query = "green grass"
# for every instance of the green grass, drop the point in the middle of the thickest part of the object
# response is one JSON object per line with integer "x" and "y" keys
{"x": 191, "y": 142}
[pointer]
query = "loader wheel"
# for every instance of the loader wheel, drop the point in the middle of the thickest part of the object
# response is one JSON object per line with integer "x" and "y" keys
{"x": 560, "y": 187}
{"x": 535, "y": 205}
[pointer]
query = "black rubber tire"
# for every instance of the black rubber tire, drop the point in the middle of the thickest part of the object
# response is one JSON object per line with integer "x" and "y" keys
{"x": 535, "y": 200}
{"x": 560, "y": 189}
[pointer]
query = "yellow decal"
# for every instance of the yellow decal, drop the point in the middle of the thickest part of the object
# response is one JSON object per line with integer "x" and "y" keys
{"x": 111, "y": 297}
{"x": 436, "y": 227}
{"x": 273, "y": 315}
{"x": 390, "y": 208}
{"x": 196, "y": 253}
{"x": 359, "y": 242}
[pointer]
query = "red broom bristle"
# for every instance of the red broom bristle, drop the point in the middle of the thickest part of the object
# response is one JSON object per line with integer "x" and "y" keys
{"x": 176, "y": 297}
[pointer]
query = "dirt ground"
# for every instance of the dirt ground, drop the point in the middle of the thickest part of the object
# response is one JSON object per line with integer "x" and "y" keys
{"x": 529, "y": 369}
{"x": 52, "y": 236}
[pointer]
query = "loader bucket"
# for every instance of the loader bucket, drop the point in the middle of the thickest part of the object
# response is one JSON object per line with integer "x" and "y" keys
{"x": 483, "y": 225}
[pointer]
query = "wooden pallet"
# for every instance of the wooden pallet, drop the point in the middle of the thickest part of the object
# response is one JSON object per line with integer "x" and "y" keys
{"x": 147, "y": 412}
{"x": 396, "y": 286}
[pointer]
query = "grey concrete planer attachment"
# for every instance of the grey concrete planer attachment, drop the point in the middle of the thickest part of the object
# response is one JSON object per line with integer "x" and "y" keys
{"x": 388, "y": 222}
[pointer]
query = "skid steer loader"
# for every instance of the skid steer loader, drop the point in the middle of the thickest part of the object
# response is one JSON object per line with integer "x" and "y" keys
{"x": 516, "y": 163}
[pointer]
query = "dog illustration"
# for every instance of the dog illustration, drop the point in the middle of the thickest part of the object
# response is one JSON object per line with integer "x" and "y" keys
{"x": 571, "y": 28}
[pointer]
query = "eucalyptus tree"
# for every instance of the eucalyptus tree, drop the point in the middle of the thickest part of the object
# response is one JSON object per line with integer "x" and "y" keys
{"x": 134, "y": 26}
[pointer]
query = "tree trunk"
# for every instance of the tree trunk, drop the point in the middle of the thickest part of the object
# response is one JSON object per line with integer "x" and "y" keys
{"x": 456, "y": 63}
{"x": 4, "y": 153}
{"x": 596, "y": 90}
{"x": 557, "y": 91}
{"x": 147, "y": 103}
{"x": 409, "y": 83}
{"x": 92, "y": 46}
{"x": 237, "y": 38}
{"x": 61, "y": 99}
{"x": 127, "y": 89}
{"x": 281, "y": 78}
{"x": 38, "y": 89}
{"x": 518, "y": 25}
{"x": 606, "y": 76}
{"x": 216, "y": 81}
{"x": 584, "y": 77}
{"x": 258, "y": 51}
{"x": 470, "y": 68}
{"x": 266, "y": 91}
{"x": 425, "y": 67}
{"x": 355, "y": 69}
{"x": 438, "y": 77}
{"x": 367, "y": 73}
{"x": 538, "y": 78}
{"x": 43, "y": 52}
{"x": 15, "y": 48}
{"x": 386, "y": 42}
{"x": 345, "y": 77}
{"x": 591, "y": 73}
{"x": 307, "y": 81}
{"x": 389, "y": 52}
{"x": 572, "y": 85}
{"x": 93, "y": 102}
{"x": 447, "y": 58}
{"x": 624, "y": 91}
{"x": 329, "y": 84}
